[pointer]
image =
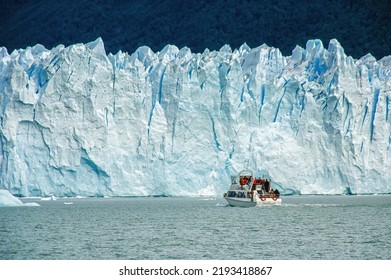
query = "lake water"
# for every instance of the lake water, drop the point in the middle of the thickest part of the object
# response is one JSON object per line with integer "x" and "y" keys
{"x": 304, "y": 227}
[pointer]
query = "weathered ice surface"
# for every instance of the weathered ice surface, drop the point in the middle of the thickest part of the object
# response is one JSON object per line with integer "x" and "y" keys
{"x": 75, "y": 121}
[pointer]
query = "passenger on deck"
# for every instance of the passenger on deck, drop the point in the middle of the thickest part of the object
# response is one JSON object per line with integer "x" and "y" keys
{"x": 267, "y": 186}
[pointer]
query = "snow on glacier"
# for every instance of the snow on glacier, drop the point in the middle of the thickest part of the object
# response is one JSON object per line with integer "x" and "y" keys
{"x": 75, "y": 121}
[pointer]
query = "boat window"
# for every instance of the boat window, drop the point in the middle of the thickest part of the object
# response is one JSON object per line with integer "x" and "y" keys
{"x": 231, "y": 194}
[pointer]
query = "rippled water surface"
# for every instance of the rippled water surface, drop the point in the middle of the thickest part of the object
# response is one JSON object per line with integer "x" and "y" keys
{"x": 304, "y": 227}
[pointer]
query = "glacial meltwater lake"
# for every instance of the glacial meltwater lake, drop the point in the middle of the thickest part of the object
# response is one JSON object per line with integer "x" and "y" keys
{"x": 303, "y": 227}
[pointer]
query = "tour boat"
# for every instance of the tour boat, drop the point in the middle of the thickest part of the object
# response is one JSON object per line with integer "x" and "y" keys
{"x": 248, "y": 191}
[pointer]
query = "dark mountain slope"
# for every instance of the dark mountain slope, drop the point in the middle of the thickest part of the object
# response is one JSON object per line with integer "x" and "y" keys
{"x": 360, "y": 26}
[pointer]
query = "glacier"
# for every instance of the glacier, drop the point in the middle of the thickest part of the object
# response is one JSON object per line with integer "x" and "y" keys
{"x": 77, "y": 121}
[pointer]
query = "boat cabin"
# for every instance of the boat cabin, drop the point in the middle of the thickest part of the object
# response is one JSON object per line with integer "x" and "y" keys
{"x": 244, "y": 185}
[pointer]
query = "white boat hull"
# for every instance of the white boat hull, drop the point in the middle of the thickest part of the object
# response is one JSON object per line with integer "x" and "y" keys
{"x": 246, "y": 202}
{"x": 240, "y": 202}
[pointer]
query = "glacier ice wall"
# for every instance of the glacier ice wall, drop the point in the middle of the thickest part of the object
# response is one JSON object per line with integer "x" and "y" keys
{"x": 75, "y": 121}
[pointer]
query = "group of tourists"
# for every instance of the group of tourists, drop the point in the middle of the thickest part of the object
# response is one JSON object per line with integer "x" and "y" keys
{"x": 245, "y": 183}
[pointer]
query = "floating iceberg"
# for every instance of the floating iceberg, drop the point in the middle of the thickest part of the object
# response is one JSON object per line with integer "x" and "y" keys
{"x": 76, "y": 121}
{"x": 7, "y": 199}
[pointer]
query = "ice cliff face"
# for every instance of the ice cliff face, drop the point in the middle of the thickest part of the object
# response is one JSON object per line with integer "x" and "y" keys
{"x": 75, "y": 121}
